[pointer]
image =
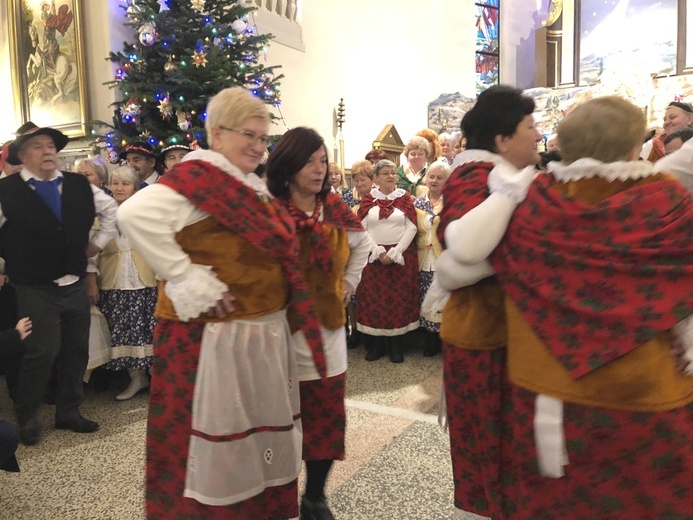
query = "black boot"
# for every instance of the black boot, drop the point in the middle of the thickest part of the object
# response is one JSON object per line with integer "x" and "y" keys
{"x": 375, "y": 349}
{"x": 433, "y": 344}
{"x": 354, "y": 339}
{"x": 394, "y": 350}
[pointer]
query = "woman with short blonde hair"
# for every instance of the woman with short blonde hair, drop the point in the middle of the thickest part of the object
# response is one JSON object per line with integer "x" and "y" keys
{"x": 411, "y": 178}
{"x": 229, "y": 255}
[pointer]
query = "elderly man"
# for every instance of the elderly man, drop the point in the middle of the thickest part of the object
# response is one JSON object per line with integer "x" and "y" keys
{"x": 45, "y": 219}
{"x": 142, "y": 158}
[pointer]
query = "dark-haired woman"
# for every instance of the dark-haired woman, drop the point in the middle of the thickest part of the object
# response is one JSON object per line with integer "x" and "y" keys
{"x": 387, "y": 303}
{"x": 501, "y": 142}
{"x": 334, "y": 250}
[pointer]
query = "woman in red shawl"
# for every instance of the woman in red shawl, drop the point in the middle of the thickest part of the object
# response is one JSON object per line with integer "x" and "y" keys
{"x": 596, "y": 268}
{"x": 387, "y": 303}
{"x": 501, "y": 139}
{"x": 334, "y": 250}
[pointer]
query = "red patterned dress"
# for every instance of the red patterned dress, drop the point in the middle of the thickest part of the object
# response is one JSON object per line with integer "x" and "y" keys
{"x": 597, "y": 270}
{"x": 474, "y": 336}
{"x": 387, "y": 302}
{"x": 224, "y": 430}
{"x": 334, "y": 250}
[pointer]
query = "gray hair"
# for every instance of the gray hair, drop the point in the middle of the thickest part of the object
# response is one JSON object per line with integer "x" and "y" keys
{"x": 418, "y": 143}
{"x": 382, "y": 163}
{"x": 439, "y": 165}
{"x": 98, "y": 165}
{"x": 127, "y": 174}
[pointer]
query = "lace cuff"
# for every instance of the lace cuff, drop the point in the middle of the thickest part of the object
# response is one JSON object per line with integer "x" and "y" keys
{"x": 436, "y": 298}
{"x": 511, "y": 182}
{"x": 395, "y": 256}
{"x": 375, "y": 253}
{"x": 200, "y": 290}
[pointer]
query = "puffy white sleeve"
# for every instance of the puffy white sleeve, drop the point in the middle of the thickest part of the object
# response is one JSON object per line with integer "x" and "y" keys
{"x": 395, "y": 253}
{"x": 106, "y": 209}
{"x": 453, "y": 274}
{"x": 150, "y": 219}
{"x": 359, "y": 249}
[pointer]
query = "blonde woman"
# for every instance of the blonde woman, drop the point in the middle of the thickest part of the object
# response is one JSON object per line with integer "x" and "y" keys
{"x": 411, "y": 177}
{"x": 224, "y": 429}
{"x": 336, "y": 179}
{"x": 362, "y": 177}
{"x": 428, "y": 209}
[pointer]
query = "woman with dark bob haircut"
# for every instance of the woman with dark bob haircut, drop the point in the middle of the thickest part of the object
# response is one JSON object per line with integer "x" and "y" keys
{"x": 334, "y": 250}
{"x": 493, "y": 176}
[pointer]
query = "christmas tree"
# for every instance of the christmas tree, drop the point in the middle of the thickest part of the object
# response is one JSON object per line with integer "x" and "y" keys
{"x": 186, "y": 51}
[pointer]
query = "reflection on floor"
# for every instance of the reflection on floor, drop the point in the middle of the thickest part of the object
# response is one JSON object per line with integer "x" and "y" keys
{"x": 397, "y": 467}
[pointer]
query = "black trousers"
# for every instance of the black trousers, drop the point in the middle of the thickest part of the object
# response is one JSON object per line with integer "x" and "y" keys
{"x": 60, "y": 337}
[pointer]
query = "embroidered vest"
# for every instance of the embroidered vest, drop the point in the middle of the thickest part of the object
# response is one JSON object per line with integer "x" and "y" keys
{"x": 109, "y": 262}
{"x": 327, "y": 289}
{"x": 255, "y": 278}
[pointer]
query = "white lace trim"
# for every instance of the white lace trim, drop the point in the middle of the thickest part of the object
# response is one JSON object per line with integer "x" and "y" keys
{"x": 587, "y": 168}
{"x": 197, "y": 293}
{"x": 436, "y": 298}
{"x": 395, "y": 256}
{"x": 375, "y": 253}
{"x": 468, "y": 156}
{"x": 216, "y": 159}
{"x": 377, "y": 194}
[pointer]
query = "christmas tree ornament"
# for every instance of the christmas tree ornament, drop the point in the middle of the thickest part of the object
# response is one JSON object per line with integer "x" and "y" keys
{"x": 198, "y": 5}
{"x": 132, "y": 108}
{"x": 120, "y": 74}
{"x": 112, "y": 156}
{"x": 165, "y": 108}
{"x": 239, "y": 26}
{"x": 147, "y": 34}
{"x": 163, "y": 5}
{"x": 141, "y": 65}
{"x": 169, "y": 66}
{"x": 200, "y": 59}
{"x": 183, "y": 120}
{"x": 133, "y": 11}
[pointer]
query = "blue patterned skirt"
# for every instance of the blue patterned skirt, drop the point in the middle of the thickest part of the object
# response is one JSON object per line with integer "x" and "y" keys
{"x": 130, "y": 316}
{"x": 429, "y": 322}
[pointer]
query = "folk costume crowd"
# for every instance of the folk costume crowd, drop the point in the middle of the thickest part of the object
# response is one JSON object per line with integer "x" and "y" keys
{"x": 561, "y": 301}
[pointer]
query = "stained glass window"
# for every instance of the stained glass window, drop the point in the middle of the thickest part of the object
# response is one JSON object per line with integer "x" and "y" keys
{"x": 487, "y": 44}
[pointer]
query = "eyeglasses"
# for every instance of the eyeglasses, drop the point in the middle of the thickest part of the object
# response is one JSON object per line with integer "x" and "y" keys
{"x": 251, "y": 137}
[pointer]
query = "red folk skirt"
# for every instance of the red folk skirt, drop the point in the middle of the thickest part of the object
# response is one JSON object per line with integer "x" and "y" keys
{"x": 176, "y": 355}
{"x": 388, "y": 296}
{"x": 621, "y": 464}
{"x": 323, "y": 416}
{"x": 475, "y": 386}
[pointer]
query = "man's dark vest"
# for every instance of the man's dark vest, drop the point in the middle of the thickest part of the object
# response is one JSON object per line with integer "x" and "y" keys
{"x": 36, "y": 246}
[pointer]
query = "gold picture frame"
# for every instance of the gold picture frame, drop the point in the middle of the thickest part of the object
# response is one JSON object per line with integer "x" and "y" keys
{"x": 47, "y": 59}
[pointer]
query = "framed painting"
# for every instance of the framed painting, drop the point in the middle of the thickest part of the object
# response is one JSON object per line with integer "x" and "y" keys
{"x": 47, "y": 57}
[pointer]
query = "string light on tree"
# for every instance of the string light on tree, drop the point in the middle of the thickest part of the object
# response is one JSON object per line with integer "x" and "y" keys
{"x": 163, "y": 95}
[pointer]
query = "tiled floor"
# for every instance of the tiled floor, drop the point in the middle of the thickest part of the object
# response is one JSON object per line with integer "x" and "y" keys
{"x": 397, "y": 467}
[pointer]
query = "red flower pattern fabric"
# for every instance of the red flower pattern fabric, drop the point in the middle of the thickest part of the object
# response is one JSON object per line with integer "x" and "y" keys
{"x": 336, "y": 215}
{"x": 596, "y": 282}
{"x": 265, "y": 224}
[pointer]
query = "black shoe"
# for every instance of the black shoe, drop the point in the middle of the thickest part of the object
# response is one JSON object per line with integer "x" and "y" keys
{"x": 375, "y": 348}
{"x": 433, "y": 345}
{"x": 30, "y": 431}
{"x": 395, "y": 352}
{"x": 315, "y": 509}
{"x": 77, "y": 424}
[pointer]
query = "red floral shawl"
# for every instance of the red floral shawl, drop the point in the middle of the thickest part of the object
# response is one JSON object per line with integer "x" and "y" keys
{"x": 464, "y": 190}
{"x": 404, "y": 203}
{"x": 266, "y": 225}
{"x": 336, "y": 215}
{"x": 596, "y": 282}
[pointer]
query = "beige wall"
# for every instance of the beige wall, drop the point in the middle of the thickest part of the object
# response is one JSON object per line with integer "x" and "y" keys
{"x": 387, "y": 59}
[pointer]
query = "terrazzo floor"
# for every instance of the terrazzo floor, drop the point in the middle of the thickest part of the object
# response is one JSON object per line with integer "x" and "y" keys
{"x": 397, "y": 466}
